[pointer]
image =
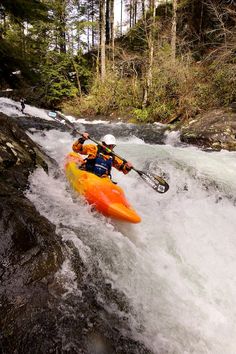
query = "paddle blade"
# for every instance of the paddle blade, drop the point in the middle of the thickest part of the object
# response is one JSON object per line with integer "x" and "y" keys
{"x": 156, "y": 182}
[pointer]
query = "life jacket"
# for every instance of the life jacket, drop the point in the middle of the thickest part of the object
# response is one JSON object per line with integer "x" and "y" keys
{"x": 100, "y": 166}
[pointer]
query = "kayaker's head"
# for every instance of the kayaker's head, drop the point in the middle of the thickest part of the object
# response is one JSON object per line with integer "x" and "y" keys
{"x": 109, "y": 140}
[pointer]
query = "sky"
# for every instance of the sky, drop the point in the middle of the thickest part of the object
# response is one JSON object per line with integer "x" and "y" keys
{"x": 117, "y": 13}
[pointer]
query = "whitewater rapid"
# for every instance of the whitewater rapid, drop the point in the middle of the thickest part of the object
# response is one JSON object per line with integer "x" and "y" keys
{"x": 177, "y": 267}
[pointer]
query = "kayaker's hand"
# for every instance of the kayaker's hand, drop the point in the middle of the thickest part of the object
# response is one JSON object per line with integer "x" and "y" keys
{"x": 85, "y": 136}
{"x": 129, "y": 165}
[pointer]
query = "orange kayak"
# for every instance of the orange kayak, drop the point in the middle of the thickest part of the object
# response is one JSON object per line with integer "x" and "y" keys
{"x": 107, "y": 197}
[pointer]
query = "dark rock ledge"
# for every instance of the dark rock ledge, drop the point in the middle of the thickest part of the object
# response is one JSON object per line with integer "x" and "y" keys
{"x": 214, "y": 129}
{"x": 37, "y": 316}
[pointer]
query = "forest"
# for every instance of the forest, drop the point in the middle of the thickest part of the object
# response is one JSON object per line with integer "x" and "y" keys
{"x": 146, "y": 60}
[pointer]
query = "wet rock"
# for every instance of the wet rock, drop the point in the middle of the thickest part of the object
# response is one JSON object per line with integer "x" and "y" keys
{"x": 30, "y": 250}
{"x": 38, "y": 123}
{"x": 18, "y": 154}
{"x": 149, "y": 133}
{"x": 233, "y": 106}
{"x": 215, "y": 129}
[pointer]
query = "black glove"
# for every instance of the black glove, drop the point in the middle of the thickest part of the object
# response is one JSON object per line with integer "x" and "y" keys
{"x": 81, "y": 140}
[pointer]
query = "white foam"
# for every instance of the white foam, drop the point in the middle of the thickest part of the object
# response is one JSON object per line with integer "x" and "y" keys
{"x": 172, "y": 138}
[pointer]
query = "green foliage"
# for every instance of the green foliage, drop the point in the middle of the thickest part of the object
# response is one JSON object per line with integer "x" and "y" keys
{"x": 180, "y": 88}
{"x": 11, "y": 60}
{"x": 172, "y": 91}
{"x": 141, "y": 115}
{"x": 160, "y": 111}
{"x": 101, "y": 96}
{"x": 34, "y": 40}
{"x": 113, "y": 95}
{"x": 215, "y": 86}
{"x": 58, "y": 78}
{"x": 203, "y": 95}
{"x": 26, "y": 10}
{"x": 223, "y": 84}
{"x": 13, "y": 40}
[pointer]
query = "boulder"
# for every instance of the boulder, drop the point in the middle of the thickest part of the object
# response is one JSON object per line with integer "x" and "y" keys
{"x": 215, "y": 129}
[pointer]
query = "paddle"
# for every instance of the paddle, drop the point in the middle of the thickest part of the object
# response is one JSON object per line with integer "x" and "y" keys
{"x": 156, "y": 182}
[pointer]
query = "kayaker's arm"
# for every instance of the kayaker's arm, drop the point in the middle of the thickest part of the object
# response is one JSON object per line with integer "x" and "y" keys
{"x": 78, "y": 145}
{"x": 121, "y": 165}
{"x": 90, "y": 149}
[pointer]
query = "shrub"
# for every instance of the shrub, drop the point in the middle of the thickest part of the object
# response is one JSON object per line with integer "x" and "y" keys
{"x": 223, "y": 84}
{"x": 141, "y": 115}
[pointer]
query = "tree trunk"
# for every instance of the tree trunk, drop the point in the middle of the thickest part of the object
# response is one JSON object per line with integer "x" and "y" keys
{"x": 130, "y": 13}
{"x": 143, "y": 8}
{"x": 112, "y": 31}
{"x": 23, "y": 43}
{"x": 121, "y": 17}
{"x": 62, "y": 26}
{"x": 200, "y": 24}
{"x": 3, "y": 22}
{"x": 173, "y": 30}
{"x": 150, "y": 40}
{"x": 92, "y": 15}
{"x": 88, "y": 30}
{"x": 108, "y": 36}
{"x": 77, "y": 77}
{"x": 135, "y": 12}
{"x": 78, "y": 32}
{"x": 102, "y": 40}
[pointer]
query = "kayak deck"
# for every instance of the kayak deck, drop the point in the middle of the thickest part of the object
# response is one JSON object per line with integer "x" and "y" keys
{"x": 108, "y": 198}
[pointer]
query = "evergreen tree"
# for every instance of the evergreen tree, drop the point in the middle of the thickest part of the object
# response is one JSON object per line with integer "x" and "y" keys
{"x": 40, "y": 42}
{"x": 15, "y": 17}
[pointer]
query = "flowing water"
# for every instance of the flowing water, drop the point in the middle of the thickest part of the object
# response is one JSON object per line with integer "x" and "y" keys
{"x": 178, "y": 266}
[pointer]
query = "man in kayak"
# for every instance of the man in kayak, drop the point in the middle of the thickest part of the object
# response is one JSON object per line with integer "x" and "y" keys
{"x": 99, "y": 161}
{"x": 22, "y": 102}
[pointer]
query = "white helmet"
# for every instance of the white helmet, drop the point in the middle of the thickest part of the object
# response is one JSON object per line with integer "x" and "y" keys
{"x": 109, "y": 139}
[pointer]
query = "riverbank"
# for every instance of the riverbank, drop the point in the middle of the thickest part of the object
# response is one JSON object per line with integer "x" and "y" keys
{"x": 214, "y": 129}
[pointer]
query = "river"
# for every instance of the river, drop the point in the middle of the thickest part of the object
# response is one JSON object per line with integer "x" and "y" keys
{"x": 177, "y": 267}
